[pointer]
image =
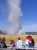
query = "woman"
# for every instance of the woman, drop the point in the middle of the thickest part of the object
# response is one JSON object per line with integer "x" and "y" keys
{"x": 29, "y": 42}
{"x": 12, "y": 43}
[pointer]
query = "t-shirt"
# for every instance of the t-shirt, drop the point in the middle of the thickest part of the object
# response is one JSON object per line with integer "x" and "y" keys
{"x": 19, "y": 44}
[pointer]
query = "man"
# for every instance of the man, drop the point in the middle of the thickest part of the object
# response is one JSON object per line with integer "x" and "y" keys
{"x": 19, "y": 43}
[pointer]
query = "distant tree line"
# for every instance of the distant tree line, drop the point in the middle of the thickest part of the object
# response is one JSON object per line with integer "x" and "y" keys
{"x": 32, "y": 33}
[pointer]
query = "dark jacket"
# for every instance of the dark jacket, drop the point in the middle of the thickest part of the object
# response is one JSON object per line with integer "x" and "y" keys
{"x": 4, "y": 45}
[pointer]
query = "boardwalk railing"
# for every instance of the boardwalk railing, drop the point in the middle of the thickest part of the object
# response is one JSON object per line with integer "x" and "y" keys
{"x": 18, "y": 49}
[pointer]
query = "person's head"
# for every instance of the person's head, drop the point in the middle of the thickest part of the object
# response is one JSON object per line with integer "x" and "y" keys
{"x": 11, "y": 41}
{"x": 3, "y": 39}
{"x": 29, "y": 37}
{"x": 18, "y": 38}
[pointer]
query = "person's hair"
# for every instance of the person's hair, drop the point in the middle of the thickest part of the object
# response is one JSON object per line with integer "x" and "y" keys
{"x": 29, "y": 37}
{"x": 0, "y": 38}
{"x": 11, "y": 41}
{"x": 3, "y": 39}
{"x": 33, "y": 43}
{"x": 18, "y": 38}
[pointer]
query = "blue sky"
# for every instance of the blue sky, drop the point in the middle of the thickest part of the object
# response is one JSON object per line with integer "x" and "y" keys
{"x": 29, "y": 8}
{"x": 29, "y": 11}
{"x": 28, "y": 20}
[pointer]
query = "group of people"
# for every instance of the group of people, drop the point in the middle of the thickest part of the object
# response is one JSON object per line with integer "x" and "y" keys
{"x": 28, "y": 43}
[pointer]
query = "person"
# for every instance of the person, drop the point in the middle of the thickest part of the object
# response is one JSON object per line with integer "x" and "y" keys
{"x": 19, "y": 43}
{"x": 12, "y": 43}
{"x": 3, "y": 42}
{"x": 0, "y": 42}
{"x": 29, "y": 41}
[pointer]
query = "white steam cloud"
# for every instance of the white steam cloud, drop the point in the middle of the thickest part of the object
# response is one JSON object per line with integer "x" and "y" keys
{"x": 14, "y": 15}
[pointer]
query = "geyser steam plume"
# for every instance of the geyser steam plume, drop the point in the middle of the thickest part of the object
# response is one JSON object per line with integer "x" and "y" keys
{"x": 14, "y": 15}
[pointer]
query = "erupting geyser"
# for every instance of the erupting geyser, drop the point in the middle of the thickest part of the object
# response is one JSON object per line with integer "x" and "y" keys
{"x": 14, "y": 15}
